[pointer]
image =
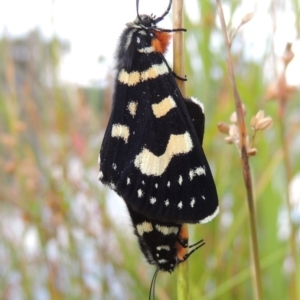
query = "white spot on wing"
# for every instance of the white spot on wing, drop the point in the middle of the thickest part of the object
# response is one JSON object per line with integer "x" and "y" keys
{"x": 196, "y": 172}
{"x": 144, "y": 227}
{"x": 100, "y": 176}
{"x": 156, "y": 185}
{"x": 166, "y": 230}
{"x": 180, "y": 180}
{"x": 200, "y": 171}
{"x": 152, "y": 200}
{"x": 163, "y": 247}
{"x": 209, "y": 218}
{"x": 132, "y": 108}
{"x": 203, "y": 197}
{"x": 180, "y": 205}
{"x": 120, "y": 131}
{"x": 193, "y": 202}
{"x": 140, "y": 193}
{"x": 114, "y": 166}
{"x": 112, "y": 185}
{"x": 168, "y": 184}
{"x": 146, "y": 49}
{"x": 150, "y": 164}
{"x": 162, "y": 261}
{"x": 128, "y": 180}
{"x": 167, "y": 202}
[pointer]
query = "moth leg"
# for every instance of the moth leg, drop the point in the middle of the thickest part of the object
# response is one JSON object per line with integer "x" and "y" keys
{"x": 179, "y": 77}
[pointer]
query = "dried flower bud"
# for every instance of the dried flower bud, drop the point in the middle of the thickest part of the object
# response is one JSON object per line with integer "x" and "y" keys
{"x": 260, "y": 114}
{"x": 256, "y": 118}
{"x": 264, "y": 123}
{"x": 223, "y": 127}
{"x": 260, "y": 122}
{"x": 247, "y": 18}
{"x": 252, "y": 151}
{"x": 253, "y": 122}
{"x": 233, "y": 117}
{"x": 228, "y": 140}
{"x": 234, "y": 132}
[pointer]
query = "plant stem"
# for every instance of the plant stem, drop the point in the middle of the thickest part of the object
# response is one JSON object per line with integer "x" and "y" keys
{"x": 178, "y": 67}
{"x": 178, "y": 49}
{"x": 288, "y": 176}
{"x": 245, "y": 160}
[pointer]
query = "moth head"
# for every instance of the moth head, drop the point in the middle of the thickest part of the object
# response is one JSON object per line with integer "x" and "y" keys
{"x": 145, "y": 21}
{"x": 152, "y": 19}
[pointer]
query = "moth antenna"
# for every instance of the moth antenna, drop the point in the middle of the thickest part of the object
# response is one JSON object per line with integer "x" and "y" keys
{"x": 137, "y": 10}
{"x": 198, "y": 244}
{"x": 161, "y": 18}
{"x": 165, "y": 13}
{"x": 152, "y": 286}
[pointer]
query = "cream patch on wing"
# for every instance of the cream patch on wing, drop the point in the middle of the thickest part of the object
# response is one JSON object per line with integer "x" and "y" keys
{"x": 163, "y": 107}
{"x": 154, "y": 71}
{"x": 144, "y": 227}
{"x": 132, "y": 108}
{"x": 166, "y": 230}
{"x": 151, "y": 164}
{"x": 133, "y": 78}
{"x": 120, "y": 131}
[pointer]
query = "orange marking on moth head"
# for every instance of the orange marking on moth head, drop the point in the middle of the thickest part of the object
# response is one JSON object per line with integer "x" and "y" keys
{"x": 161, "y": 41}
{"x": 183, "y": 237}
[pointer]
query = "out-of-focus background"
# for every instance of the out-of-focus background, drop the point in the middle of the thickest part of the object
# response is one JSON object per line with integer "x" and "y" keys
{"x": 62, "y": 234}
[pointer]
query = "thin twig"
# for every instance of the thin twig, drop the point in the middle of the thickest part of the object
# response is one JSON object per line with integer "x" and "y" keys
{"x": 178, "y": 49}
{"x": 282, "y": 98}
{"x": 244, "y": 158}
{"x": 292, "y": 237}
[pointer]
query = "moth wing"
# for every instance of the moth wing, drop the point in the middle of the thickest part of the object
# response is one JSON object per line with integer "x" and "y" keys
{"x": 152, "y": 156}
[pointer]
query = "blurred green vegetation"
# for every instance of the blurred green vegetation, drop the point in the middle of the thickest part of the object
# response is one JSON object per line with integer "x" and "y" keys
{"x": 57, "y": 239}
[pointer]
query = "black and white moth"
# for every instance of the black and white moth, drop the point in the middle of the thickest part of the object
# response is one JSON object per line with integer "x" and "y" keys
{"x": 164, "y": 244}
{"x": 151, "y": 153}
